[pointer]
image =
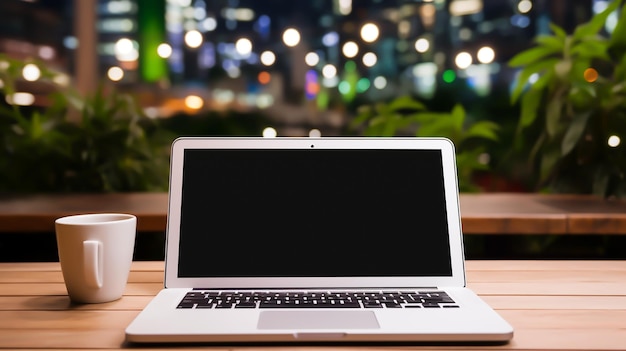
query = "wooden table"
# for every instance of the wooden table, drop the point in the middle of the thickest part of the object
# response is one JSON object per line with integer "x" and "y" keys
{"x": 553, "y": 305}
{"x": 483, "y": 213}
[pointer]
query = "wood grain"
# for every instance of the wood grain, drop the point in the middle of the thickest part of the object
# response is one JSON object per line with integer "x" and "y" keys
{"x": 553, "y": 305}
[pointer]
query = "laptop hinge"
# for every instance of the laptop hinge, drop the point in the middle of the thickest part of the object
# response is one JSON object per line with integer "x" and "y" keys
{"x": 318, "y": 288}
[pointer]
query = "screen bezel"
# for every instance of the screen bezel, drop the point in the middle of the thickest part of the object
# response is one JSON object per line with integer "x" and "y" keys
{"x": 172, "y": 280}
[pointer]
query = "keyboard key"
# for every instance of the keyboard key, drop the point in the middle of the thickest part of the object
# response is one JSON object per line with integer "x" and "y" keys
{"x": 372, "y": 304}
{"x": 245, "y": 305}
{"x": 316, "y": 299}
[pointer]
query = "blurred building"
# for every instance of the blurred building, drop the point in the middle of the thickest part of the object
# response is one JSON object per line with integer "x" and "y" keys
{"x": 33, "y": 30}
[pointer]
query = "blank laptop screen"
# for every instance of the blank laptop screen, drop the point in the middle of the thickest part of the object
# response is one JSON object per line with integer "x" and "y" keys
{"x": 313, "y": 213}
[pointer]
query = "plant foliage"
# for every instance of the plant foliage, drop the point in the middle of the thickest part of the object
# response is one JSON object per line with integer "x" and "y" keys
{"x": 97, "y": 143}
{"x": 407, "y": 116}
{"x": 572, "y": 93}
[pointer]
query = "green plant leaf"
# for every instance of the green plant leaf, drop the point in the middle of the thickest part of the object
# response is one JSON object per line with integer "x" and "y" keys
{"x": 546, "y": 79}
{"x": 428, "y": 117}
{"x": 583, "y": 96}
{"x": 618, "y": 90}
{"x": 406, "y": 103}
{"x": 390, "y": 126}
{"x": 594, "y": 48}
{"x": 574, "y": 132}
{"x": 458, "y": 117}
{"x": 364, "y": 113}
{"x": 537, "y": 146}
{"x": 558, "y": 31}
{"x": 382, "y": 109}
{"x": 617, "y": 46}
{"x": 436, "y": 127}
{"x": 373, "y": 126}
{"x": 543, "y": 68}
{"x": 620, "y": 70}
{"x": 483, "y": 129}
{"x": 382, "y": 126}
{"x": 532, "y": 55}
{"x": 553, "y": 115}
{"x": 530, "y": 104}
{"x": 549, "y": 161}
{"x": 551, "y": 42}
{"x": 596, "y": 23}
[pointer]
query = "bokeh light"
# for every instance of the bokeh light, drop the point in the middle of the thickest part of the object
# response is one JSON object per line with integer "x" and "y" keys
{"x": 31, "y": 72}
{"x": 312, "y": 59}
{"x": 264, "y": 77}
{"x": 463, "y": 60}
{"x": 269, "y": 132}
{"x": 20, "y": 99}
{"x": 524, "y": 6}
{"x": 350, "y": 49}
{"x": 329, "y": 71}
{"x": 590, "y": 75}
{"x": 380, "y": 82}
{"x": 115, "y": 74}
{"x": 126, "y": 50}
{"x": 315, "y": 133}
{"x": 291, "y": 37}
{"x": 369, "y": 32}
{"x": 486, "y": 55}
{"x": 244, "y": 47}
{"x": 449, "y": 76}
{"x": 193, "y": 39}
{"x": 164, "y": 50}
{"x": 268, "y": 58}
{"x": 194, "y": 102}
{"x": 370, "y": 59}
{"x": 422, "y": 45}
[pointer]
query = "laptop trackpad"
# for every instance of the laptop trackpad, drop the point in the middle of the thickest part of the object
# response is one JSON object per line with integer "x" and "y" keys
{"x": 318, "y": 320}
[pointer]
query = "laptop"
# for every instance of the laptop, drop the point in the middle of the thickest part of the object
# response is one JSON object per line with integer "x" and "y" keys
{"x": 314, "y": 240}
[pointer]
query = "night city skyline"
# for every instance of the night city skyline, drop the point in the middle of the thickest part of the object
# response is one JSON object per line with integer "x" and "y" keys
{"x": 241, "y": 58}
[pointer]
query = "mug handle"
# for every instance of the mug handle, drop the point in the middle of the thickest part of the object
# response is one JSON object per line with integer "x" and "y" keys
{"x": 92, "y": 255}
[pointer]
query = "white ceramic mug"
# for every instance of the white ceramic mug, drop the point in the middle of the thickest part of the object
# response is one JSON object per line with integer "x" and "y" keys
{"x": 96, "y": 252}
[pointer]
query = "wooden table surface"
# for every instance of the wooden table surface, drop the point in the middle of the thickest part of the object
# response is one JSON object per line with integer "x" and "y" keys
{"x": 483, "y": 213}
{"x": 553, "y": 305}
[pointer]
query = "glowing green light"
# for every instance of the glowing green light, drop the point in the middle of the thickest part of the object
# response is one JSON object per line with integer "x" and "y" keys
{"x": 449, "y": 76}
{"x": 344, "y": 87}
{"x": 323, "y": 100}
{"x": 362, "y": 85}
{"x": 151, "y": 31}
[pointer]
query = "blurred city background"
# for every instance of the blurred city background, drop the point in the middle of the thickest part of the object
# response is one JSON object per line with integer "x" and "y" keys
{"x": 289, "y": 68}
{"x": 306, "y": 64}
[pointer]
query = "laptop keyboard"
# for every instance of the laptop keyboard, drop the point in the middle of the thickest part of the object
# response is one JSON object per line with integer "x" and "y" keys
{"x": 307, "y": 299}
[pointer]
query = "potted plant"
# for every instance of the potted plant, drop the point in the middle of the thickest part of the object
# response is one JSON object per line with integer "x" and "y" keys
{"x": 572, "y": 94}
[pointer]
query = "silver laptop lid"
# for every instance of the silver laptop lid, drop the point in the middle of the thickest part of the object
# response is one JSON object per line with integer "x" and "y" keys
{"x": 313, "y": 212}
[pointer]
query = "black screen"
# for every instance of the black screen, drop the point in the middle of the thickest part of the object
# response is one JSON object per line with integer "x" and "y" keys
{"x": 315, "y": 213}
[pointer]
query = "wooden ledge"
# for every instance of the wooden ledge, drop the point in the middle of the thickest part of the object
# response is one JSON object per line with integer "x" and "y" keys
{"x": 482, "y": 213}
{"x": 530, "y": 213}
{"x": 37, "y": 213}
